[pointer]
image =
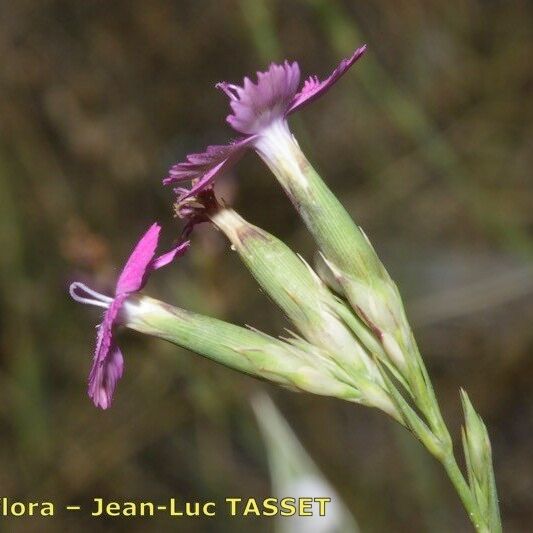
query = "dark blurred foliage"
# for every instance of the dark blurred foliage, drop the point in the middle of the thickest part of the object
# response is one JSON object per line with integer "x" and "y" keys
{"x": 428, "y": 141}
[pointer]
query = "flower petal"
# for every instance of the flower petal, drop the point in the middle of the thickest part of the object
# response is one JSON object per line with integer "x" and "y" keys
{"x": 105, "y": 378}
{"x": 108, "y": 363}
{"x": 257, "y": 105}
{"x": 203, "y": 168}
{"x": 314, "y": 88}
{"x": 133, "y": 275}
{"x": 168, "y": 257}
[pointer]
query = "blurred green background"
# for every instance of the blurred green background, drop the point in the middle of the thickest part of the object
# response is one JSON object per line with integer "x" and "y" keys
{"x": 428, "y": 141}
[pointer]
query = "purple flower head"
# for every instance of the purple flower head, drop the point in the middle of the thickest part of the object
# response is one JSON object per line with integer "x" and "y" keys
{"x": 275, "y": 95}
{"x": 108, "y": 363}
{"x": 255, "y": 106}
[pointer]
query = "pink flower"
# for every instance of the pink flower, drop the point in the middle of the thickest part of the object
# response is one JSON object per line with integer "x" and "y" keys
{"x": 275, "y": 95}
{"x": 202, "y": 168}
{"x": 108, "y": 363}
{"x": 257, "y": 108}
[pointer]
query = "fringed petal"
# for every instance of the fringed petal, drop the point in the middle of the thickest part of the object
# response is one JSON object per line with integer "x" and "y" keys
{"x": 314, "y": 88}
{"x": 256, "y": 105}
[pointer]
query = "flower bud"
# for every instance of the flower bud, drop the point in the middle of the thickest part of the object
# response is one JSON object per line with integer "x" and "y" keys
{"x": 476, "y": 436}
{"x": 478, "y": 454}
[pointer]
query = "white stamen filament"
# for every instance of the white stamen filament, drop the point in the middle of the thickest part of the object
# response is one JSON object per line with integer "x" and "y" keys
{"x": 100, "y": 300}
{"x": 231, "y": 90}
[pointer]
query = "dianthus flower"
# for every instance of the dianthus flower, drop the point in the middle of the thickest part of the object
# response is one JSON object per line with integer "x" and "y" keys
{"x": 260, "y": 112}
{"x": 108, "y": 362}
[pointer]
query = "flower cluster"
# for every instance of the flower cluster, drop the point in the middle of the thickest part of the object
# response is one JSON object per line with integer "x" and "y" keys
{"x": 352, "y": 340}
{"x": 258, "y": 111}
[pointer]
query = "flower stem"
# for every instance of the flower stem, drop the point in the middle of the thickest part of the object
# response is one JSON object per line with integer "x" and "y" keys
{"x": 459, "y": 482}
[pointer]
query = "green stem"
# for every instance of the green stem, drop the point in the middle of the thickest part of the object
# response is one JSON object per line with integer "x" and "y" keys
{"x": 459, "y": 482}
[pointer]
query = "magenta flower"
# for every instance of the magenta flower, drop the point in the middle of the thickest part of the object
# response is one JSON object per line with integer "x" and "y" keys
{"x": 108, "y": 363}
{"x": 260, "y": 112}
{"x": 203, "y": 168}
{"x": 275, "y": 95}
